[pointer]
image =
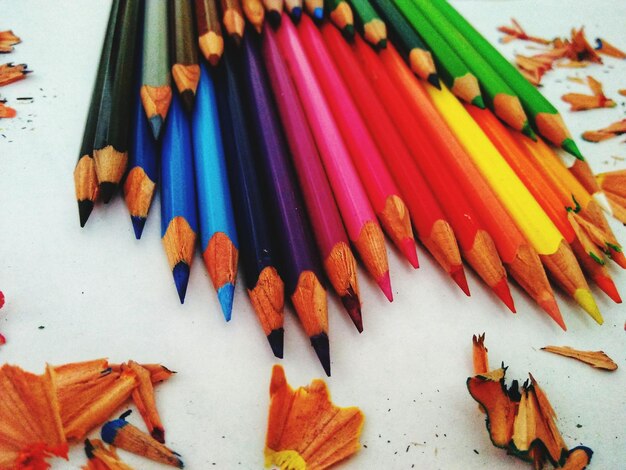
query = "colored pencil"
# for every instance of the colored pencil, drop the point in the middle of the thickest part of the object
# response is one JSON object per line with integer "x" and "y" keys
{"x": 140, "y": 183}
{"x": 300, "y": 264}
{"x": 274, "y": 11}
{"x": 111, "y": 146}
{"x": 315, "y": 8}
{"x": 551, "y": 199}
{"x": 294, "y": 8}
{"x": 538, "y": 229}
{"x": 544, "y": 117}
{"x": 330, "y": 235}
{"x": 264, "y": 285}
{"x": 476, "y": 244}
{"x": 179, "y": 221}
{"x": 452, "y": 70}
{"x": 357, "y": 214}
{"x": 583, "y": 173}
{"x": 428, "y": 218}
{"x": 519, "y": 257}
{"x": 499, "y": 97}
{"x": 405, "y": 37}
{"x": 613, "y": 182}
{"x": 210, "y": 37}
{"x": 85, "y": 178}
{"x": 185, "y": 68}
{"x": 372, "y": 26}
{"x": 233, "y": 19}
{"x": 340, "y": 13}
{"x": 381, "y": 189}
{"x": 218, "y": 235}
{"x": 254, "y": 10}
{"x": 156, "y": 91}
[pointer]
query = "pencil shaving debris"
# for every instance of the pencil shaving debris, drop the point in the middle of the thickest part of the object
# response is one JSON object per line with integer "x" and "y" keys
{"x": 522, "y": 421}
{"x": 7, "y": 41}
{"x": 580, "y": 102}
{"x": 5, "y": 111}
{"x": 10, "y": 73}
{"x": 597, "y": 359}
{"x": 615, "y": 129}
{"x": 603, "y": 47}
{"x": 102, "y": 457}
{"x": 305, "y": 429}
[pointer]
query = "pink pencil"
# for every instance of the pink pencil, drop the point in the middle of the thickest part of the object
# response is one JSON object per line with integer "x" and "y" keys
{"x": 381, "y": 189}
{"x": 330, "y": 235}
{"x": 357, "y": 214}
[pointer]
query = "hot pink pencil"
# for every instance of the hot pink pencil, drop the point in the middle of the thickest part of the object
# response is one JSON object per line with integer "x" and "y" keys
{"x": 356, "y": 211}
{"x": 381, "y": 189}
{"x": 330, "y": 235}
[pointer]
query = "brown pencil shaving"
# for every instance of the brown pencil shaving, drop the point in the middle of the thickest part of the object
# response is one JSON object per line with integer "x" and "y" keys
{"x": 606, "y": 48}
{"x": 7, "y": 41}
{"x": 31, "y": 428}
{"x": 580, "y": 102}
{"x": 102, "y": 457}
{"x": 613, "y": 130}
{"x": 10, "y": 73}
{"x": 517, "y": 32}
{"x": 143, "y": 396}
{"x": 305, "y": 429}
{"x": 480, "y": 358}
{"x": 5, "y": 111}
{"x": 597, "y": 359}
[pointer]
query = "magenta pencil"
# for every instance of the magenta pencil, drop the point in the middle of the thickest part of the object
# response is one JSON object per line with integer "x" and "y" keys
{"x": 330, "y": 235}
{"x": 381, "y": 189}
{"x": 356, "y": 211}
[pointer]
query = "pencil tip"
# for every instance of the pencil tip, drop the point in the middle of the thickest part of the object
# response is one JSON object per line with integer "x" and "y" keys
{"x": 384, "y": 282}
{"x": 188, "y": 98}
{"x": 608, "y": 287}
{"x": 318, "y": 15}
{"x": 225, "y": 295}
{"x": 570, "y": 147}
{"x": 433, "y": 79}
{"x": 296, "y": 14}
{"x": 348, "y": 32}
{"x": 156, "y": 123}
{"x": 504, "y": 293}
{"x": 528, "y": 131}
{"x": 410, "y": 252}
{"x": 458, "y": 275}
{"x": 382, "y": 44}
{"x": 138, "y": 225}
{"x": 273, "y": 18}
{"x": 584, "y": 298}
{"x": 276, "y": 340}
{"x": 107, "y": 189}
{"x": 181, "y": 279}
{"x": 552, "y": 308}
{"x": 84, "y": 211}
{"x": 322, "y": 349}
{"x": 479, "y": 102}
{"x": 352, "y": 304}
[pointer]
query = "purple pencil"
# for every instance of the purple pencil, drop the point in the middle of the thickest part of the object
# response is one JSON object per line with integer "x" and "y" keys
{"x": 328, "y": 229}
{"x": 299, "y": 260}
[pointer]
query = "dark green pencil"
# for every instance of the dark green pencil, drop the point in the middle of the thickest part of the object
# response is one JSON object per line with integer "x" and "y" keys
{"x": 373, "y": 27}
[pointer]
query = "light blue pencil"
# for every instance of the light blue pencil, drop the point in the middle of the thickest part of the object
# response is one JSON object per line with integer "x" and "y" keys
{"x": 218, "y": 235}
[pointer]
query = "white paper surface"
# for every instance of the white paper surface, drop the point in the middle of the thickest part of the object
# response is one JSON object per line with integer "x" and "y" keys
{"x": 77, "y": 294}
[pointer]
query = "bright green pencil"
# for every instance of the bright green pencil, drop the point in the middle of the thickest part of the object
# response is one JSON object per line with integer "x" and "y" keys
{"x": 374, "y": 29}
{"x": 544, "y": 117}
{"x": 452, "y": 70}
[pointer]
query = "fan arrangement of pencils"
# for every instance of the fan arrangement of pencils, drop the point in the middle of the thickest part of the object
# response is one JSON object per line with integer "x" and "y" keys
{"x": 296, "y": 146}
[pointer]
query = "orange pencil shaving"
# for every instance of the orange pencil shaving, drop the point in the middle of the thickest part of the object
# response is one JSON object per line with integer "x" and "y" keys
{"x": 604, "y": 47}
{"x": 102, "y": 457}
{"x": 597, "y": 359}
{"x": 615, "y": 129}
{"x": 143, "y": 396}
{"x": 7, "y": 41}
{"x": 5, "y": 111}
{"x": 10, "y": 73}
{"x": 598, "y": 99}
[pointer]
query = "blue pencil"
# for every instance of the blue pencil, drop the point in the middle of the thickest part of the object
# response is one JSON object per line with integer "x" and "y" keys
{"x": 179, "y": 221}
{"x": 218, "y": 236}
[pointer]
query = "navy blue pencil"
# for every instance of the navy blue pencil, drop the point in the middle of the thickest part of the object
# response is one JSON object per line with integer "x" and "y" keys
{"x": 265, "y": 287}
{"x": 299, "y": 261}
{"x": 179, "y": 221}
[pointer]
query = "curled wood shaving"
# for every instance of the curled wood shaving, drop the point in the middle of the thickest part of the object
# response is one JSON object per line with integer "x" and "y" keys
{"x": 7, "y": 41}
{"x": 580, "y": 102}
{"x": 597, "y": 359}
{"x": 10, "y": 73}
{"x": 603, "y": 47}
{"x": 615, "y": 129}
{"x": 480, "y": 357}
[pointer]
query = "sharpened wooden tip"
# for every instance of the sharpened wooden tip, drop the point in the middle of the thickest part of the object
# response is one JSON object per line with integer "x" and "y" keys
{"x": 371, "y": 247}
{"x": 343, "y": 17}
{"x": 220, "y": 258}
{"x": 509, "y": 109}
{"x": 179, "y": 242}
{"x": 110, "y": 165}
{"x": 466, "y": 88}
{"x": 255, "y": 13}
{"x": 212, "y": 47}
{"x": 86, "y": 187}
{"x": 156, "y": 100}
{"x": 186, "y": 77}
{"x": 268, "y": 299}
{"x": 443, "y": 246}
{"x": 422, "y": 63}
{"x": 309, "y": 300}
{"x": 396, "y": 221}
{"x": 552, "y": 127}
{"x": 375, "y": 32}
{"x": 138, "y": 192}
{"x": 234, "y": 24}
{"x": 340, "y": 266}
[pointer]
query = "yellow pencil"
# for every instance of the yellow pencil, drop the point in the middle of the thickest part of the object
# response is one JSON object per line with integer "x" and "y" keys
{"x": 536, "y": 226}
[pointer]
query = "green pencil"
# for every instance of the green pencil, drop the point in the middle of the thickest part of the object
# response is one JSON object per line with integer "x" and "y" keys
{"x": 420, "y": 58}
{"x": 499, "y": 97}
{"x": 341, "y": 15}
{"x": 544, "y": 117}
{"x": 452, "y": 70}
{"x": 374, "y": 29}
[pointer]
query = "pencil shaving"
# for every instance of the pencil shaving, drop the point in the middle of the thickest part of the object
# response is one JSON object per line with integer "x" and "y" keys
{"x": 102, "y": 457}
{"x": 10, "y": 73}
{"x": 517, "y": 32}
{"x": 604, "y": 47}
{"x": 580, "y": 102}
{"x": 615, "y": 129}
{"x": 479, "y": 354}
{"x": 597, "y": 359}
{"x": 305, "y": 429}
{"x": 5, "y": 111}
{"x": 7, "y": 41}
